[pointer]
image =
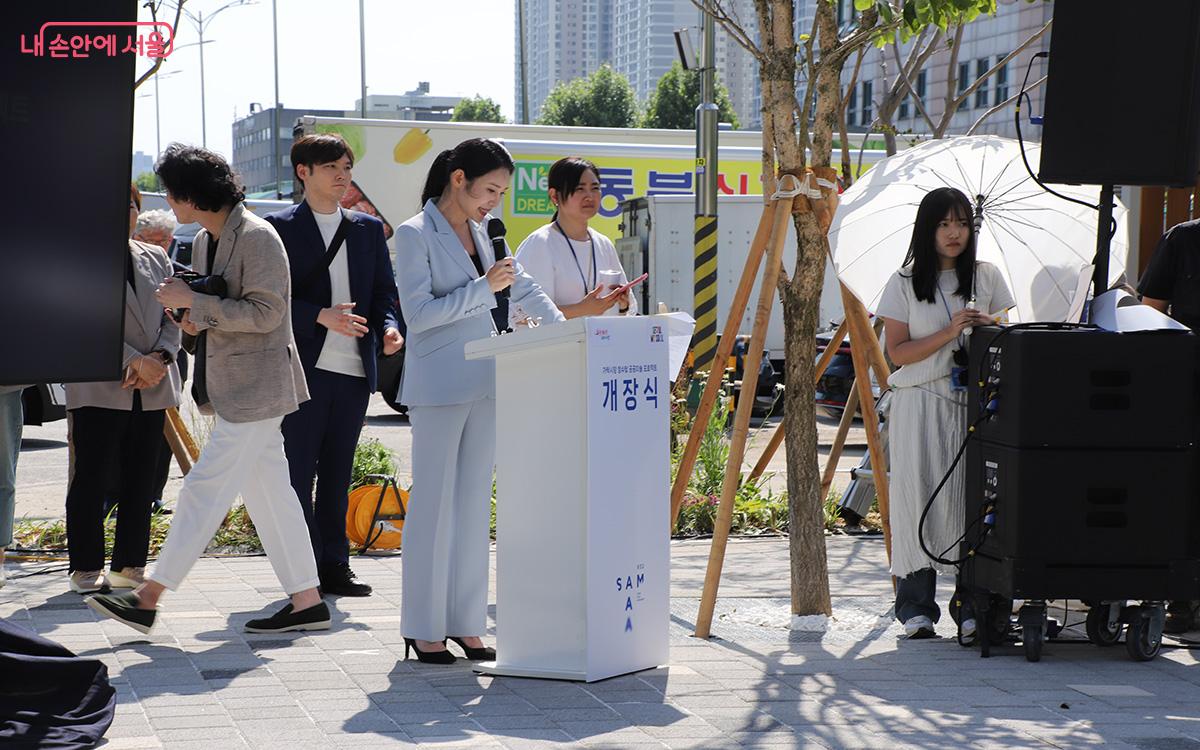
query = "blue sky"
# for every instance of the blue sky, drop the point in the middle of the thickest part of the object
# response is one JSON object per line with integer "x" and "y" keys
{"x": 460, "y": 46}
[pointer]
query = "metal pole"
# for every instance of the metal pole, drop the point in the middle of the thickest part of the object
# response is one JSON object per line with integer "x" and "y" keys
{"x": 524, "y": 119}
{"x": 275, "y": 112}
{"x": 203, "y": 115}
{"x": 704, "y": 341}
{"x": 362, "y": 53}
{"x": 157, "y": 129}
{"x": 1103, "y": 238}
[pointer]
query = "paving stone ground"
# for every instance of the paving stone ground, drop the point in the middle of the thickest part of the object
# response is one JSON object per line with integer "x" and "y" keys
{"x": 200, "y": 682}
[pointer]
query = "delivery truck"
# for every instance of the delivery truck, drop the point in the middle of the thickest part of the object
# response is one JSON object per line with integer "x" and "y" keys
{"x": 392, "y": 158}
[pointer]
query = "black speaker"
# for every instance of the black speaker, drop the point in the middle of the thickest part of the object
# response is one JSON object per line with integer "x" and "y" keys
{"x": 66, "y": 130}
{"x": 1083, "y": 388}
{"x": 1123, "y": 94}
{"x": 1085, "y": 524}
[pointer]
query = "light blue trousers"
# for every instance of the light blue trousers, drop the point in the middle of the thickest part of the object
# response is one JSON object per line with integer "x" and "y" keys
{"x": 11, "y": 419}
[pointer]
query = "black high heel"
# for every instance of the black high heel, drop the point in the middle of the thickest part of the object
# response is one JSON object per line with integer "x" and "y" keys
{"x": 483, "y": 653}
{"x": 427, "y": 657}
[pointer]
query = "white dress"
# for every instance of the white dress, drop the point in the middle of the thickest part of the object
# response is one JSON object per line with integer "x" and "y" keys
{"x": 567, "y": 270}
{"x": 927, "y": 421}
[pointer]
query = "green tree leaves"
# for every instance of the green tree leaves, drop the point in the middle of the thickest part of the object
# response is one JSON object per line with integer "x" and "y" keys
{"x": 602, "y": 100}
{"x": 477, "y": 108}
{"x": 673, "y": 103}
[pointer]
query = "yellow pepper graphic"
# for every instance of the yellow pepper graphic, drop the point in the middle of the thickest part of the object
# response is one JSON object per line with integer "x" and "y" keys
{"x": 410, "y": 148}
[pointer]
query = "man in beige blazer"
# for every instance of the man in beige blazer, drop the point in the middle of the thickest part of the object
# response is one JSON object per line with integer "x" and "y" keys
{"x": 248, "y": 375}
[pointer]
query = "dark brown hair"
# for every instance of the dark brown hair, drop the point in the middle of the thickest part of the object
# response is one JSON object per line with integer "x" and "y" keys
{"x": 320, "y": 148}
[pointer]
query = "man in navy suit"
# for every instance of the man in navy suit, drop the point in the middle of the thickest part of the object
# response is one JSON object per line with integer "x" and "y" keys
{"x": 344, "y": 309}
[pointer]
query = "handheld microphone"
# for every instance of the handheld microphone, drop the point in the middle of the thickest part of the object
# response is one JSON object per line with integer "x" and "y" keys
{"x": 495, "y": 232}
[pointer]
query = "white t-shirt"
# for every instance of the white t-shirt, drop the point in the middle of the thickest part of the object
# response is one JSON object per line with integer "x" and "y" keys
{"x": 899, "y": 302}
{"x": 339, "y": 353}
{"x": 564, "y": 268}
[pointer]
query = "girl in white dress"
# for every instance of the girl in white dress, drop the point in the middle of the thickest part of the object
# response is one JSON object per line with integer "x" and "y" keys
{"x": 576, "y": 266}
{"x": 927, "y": 316}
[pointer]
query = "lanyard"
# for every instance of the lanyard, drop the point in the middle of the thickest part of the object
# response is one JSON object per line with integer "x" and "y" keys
{"x": 586, "y": 287}
{"x": 949, "y": 317}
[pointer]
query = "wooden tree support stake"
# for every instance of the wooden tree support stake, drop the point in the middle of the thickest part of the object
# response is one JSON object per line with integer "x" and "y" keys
{"x": 737, "y": 309}
{"x": 862, "y": 339}
{"x": 741, "y": 422}
{"x": 777, "y": 437}
{"x": 181, "y": 442}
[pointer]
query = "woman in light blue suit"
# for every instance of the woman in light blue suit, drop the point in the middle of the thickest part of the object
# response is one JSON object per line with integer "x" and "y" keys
{"x": 449, "y": 282}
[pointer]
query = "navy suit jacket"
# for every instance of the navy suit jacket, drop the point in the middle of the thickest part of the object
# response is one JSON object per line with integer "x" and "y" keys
{"x": 372, "y": 283}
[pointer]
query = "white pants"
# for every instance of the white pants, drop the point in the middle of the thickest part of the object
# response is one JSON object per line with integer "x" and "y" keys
{"x": 445, "y": 564}
{"x": 243, "y": 458}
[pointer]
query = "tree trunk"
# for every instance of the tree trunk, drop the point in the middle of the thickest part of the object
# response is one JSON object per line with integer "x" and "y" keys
{"x": 806, "y": 537}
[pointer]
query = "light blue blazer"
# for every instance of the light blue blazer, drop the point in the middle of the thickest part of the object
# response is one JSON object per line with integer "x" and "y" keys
{"x": 446, "y": 303}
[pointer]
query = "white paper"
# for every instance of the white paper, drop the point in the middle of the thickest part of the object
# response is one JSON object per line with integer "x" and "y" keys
{"x": 679, "y": 335}
{"x": 1079, "y": 298}
{"x": 1119, "y": 311}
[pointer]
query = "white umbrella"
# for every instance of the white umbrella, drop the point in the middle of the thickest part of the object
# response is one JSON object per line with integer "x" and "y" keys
{"x": 1040, "y": 242}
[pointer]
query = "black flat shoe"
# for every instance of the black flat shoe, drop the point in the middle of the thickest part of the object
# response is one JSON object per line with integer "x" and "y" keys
{"x": 427, "y": 657}
{"x": 483, "y": 653}
{"x": 286, "y": 620}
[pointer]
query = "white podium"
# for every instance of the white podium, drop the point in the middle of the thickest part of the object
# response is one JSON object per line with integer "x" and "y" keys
{"x": 583, "y": 486}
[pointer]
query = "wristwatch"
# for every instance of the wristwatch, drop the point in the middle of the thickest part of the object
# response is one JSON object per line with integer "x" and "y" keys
{"x": 164, "y": 355}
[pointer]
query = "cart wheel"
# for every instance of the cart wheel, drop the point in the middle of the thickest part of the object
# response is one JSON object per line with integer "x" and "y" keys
{"x": 1033, "y": 639}
{"x": 1141, "y": 640}
{"x": 1098, "y": 631}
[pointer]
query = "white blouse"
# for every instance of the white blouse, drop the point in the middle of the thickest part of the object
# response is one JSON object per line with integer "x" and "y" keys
{"x": 899, "y": 302}
{"x": 567, "y": 269}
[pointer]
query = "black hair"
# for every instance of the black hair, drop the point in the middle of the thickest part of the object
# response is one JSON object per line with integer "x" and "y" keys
{"x": 475, "y": 157}
{"x": 922, "y": 250}
{"x": 565, "y": 175}
{"x": 320, "y": 148}
{"x": 199, "y": 176}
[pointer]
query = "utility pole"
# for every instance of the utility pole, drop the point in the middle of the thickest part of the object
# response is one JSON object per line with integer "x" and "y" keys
{"x": 704, "y": 341}
{"x": 275, "y": 111}
{"x": 524, "y": 119}
{"x": 362, "y": 54}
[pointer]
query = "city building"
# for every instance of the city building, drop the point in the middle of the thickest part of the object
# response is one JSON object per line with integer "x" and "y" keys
{"x": 252, "y": 148}
{"x": 568, "y": 39}
{"x": 564, "y": 40}
{"x": 141, "y": 164}
{"x": 986, "y": 41}
{"x": 417, "y": 104}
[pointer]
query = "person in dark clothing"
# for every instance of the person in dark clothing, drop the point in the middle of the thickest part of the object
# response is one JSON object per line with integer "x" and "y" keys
{"x": 344, "y": 313}
{"x": 1171, "y": 285}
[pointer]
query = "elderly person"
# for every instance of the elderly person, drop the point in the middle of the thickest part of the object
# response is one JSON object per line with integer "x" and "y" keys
{"x": 155, "y": 227}
{"x": 117, "y": 429}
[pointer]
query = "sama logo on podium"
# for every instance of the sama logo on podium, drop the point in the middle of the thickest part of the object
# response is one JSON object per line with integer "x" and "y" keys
{"x": 630, "y": 587}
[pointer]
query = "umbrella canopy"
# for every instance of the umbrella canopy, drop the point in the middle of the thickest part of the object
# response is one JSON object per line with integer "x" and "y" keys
{"x": 1040, "y": 242}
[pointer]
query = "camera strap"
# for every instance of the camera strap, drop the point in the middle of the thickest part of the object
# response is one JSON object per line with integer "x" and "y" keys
{"x": 330, "y": 253}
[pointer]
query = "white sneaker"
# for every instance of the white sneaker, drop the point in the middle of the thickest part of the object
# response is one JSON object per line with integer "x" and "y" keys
{"x": 967, "y": 631}
{"x": 89, "y": 582}
{"x": 916, "y": 628}
{"x": 126, "y": 578}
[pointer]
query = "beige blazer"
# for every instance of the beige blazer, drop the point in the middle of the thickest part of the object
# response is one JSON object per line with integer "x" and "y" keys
{"x": 147, "y": 328}
{"x": 252, "y": 369}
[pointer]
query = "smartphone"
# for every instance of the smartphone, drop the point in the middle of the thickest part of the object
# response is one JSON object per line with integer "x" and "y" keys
{"x": 621, "y": 290}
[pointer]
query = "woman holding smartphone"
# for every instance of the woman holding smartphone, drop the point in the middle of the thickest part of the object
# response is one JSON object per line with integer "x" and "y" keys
{"x": 927, "y": 314}
{"x": 450, "y": 285}
{"x": 575, "y": 265}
